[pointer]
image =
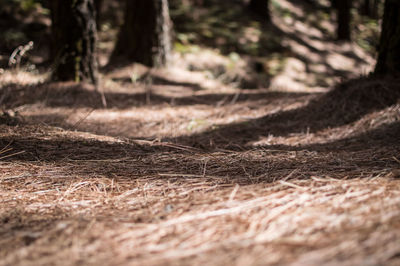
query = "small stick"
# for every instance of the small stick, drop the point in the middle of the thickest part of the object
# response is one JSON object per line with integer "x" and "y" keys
{"x": 6, "y": 156}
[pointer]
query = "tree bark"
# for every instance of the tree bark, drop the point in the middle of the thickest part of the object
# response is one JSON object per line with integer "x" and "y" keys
{"x": 145, "y": 36}
{"x": 74, "y": 40}
{"x": 261, "y": 8}
{"x": 375, "y": 9}
{"x": 389, "y": 47}
{"x": 98, "y": 6}
{"x": 343, "y": 19}
{"x": 366, "y": 8}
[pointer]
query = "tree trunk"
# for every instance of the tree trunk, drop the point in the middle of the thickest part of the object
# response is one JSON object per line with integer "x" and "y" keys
{"x": 145, "y": 36}
{"x": 389, "y": 47}
{"x": 366, "y": 8}
{"x": 261, "y": 8}
{"x": 343, "y": 19}
{"x": 99, "y": 6}
{"x": 375, "y": 9}
{"x": 74, "y": 40}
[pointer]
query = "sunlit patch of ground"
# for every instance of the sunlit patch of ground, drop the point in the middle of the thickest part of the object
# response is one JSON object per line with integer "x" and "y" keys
{"x": 296, "y": 52}
{"x": 314, "y": 55}
{"x": 163, "y": 112}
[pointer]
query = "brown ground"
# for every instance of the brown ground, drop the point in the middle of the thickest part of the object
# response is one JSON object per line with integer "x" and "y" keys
{"x": 183, "y": 169}
{"x": 298, "y": 178}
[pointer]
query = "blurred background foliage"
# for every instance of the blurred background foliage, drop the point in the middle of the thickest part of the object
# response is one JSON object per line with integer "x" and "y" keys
{"x": 219, "y": 25}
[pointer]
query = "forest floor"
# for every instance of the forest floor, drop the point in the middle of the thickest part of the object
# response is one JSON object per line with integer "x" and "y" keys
{"x": 181, "y": 166}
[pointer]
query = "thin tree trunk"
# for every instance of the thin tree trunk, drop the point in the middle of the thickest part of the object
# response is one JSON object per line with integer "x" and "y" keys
{"x": 375, "y": 9}
{"x": 389, "y": 47}
{"x": 343, "y": 19}
{"x": 261, "y": 8}
{"x": 366, "y": 8}
{"x": 99, "y": 6}
{"x": 74, "y": 40}
{"x": 145, "y": 36}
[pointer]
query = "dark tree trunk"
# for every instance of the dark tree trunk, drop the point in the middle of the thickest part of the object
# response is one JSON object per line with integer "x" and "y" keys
{"x": 145, "y": 36}
{"x": 375, "y": 9}
{"x": 74, "y": 40}
{"x": 261, "y": 8}
{"x": 366, "y": 8}
{"x": 343, "y": 19}
{"x": 99, "y": 6}
{"x": 389, "y": 47}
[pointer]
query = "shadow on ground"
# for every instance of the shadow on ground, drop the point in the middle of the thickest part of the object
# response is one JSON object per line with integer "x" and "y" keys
{"x": 347, "y": 103}
{"x": 370, "y": 152}
{"x": 77, "y": 95}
